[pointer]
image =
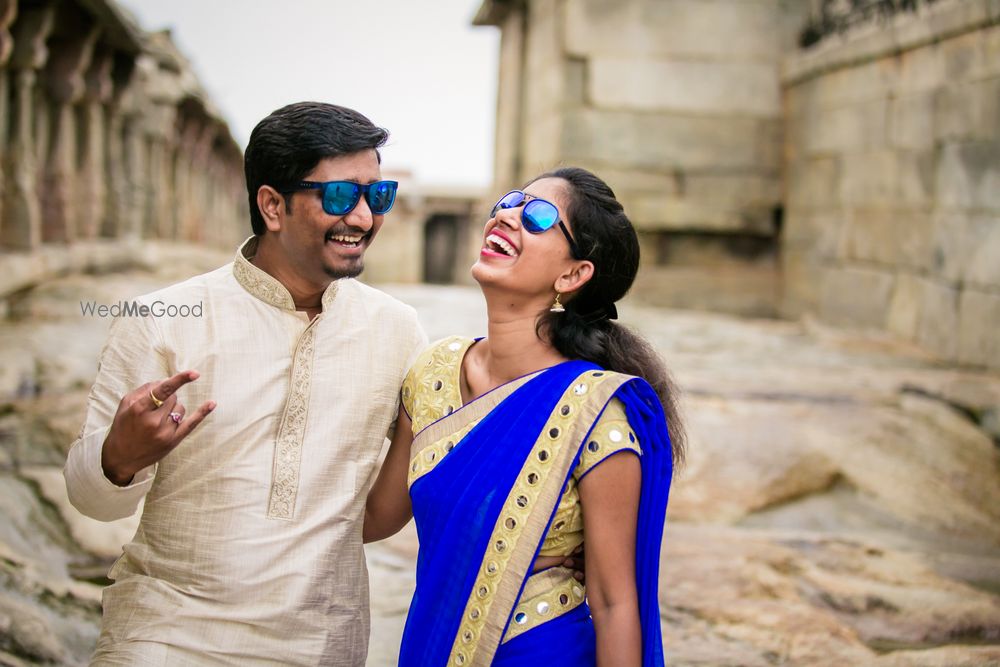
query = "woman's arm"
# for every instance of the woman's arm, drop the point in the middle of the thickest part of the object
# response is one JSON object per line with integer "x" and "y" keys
{"x": 388, "y": 507}
{"x": 609, "y": 495}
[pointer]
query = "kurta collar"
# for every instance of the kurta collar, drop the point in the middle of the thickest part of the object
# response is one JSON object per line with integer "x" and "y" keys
{"x": 263, "y": 285}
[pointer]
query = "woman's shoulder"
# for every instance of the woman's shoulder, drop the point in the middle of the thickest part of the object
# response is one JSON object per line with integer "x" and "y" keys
{"x": 434, "y": 375}
{"x": 611, "y": 434}
{"x": 444, "y": 352}
{"x": 596, "y": 376}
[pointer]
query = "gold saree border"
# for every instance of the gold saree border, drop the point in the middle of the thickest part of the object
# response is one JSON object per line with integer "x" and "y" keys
{"x": 547, "y": 595}
{"x": 440, "y": 432}
{"x": 519, "y": 528}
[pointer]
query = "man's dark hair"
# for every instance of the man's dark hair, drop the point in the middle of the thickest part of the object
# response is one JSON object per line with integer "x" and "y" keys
{"x": 290, "y": 142}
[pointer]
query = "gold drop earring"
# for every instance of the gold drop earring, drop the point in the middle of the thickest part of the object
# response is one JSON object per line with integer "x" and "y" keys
{"x": 556, "y": 306}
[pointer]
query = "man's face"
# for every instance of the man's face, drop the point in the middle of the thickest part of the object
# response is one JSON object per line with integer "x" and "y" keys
{"x": 321, "y": 246}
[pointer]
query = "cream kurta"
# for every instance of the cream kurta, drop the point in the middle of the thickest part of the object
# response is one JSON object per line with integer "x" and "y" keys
{"x": 249, "y": 549}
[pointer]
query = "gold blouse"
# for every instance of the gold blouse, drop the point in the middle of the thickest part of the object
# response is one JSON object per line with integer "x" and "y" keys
{"x": 432, "y": 390}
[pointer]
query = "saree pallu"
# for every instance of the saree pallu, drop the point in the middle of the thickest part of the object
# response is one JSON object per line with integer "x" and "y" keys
{"x": 483, "y": 509}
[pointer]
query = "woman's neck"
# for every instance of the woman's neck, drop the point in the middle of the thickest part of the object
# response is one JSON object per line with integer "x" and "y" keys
{"x": 513, "y": 348}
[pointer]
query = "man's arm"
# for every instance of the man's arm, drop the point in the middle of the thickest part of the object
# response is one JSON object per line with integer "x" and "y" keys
{"x": 110, "y": 466}
{"x": 388, "y": 507}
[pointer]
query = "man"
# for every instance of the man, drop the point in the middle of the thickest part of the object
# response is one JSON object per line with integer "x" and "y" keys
{"x": 249, "y": 547}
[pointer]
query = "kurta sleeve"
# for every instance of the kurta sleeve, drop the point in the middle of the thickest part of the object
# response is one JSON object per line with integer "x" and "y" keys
{"x": 611, "y": 434}
{"x": 131, "y": 357}
{"x": 417, "y": 343}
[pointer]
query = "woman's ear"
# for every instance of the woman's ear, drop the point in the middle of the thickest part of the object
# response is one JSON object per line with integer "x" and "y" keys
{"x": 271, "y": 203}
{"x": 575, "y": 277}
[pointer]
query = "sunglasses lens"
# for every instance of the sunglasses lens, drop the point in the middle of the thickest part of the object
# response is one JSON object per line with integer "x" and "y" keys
{"x": 339, "y": 197}
{"x": 539, "y": 215}
{"x": 509, "y": 200}
{"x": 381, "y": 196}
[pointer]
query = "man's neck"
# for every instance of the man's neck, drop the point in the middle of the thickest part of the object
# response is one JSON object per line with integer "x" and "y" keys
{"x": 306, "y": 295}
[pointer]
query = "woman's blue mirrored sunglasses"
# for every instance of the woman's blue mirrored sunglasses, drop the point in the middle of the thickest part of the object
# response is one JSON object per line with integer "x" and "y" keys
{"x": 537, "y": 216}
{"x": 340, "y": 197}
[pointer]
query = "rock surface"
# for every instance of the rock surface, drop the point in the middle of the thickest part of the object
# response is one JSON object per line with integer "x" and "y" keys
{"x": 841, "y": 502}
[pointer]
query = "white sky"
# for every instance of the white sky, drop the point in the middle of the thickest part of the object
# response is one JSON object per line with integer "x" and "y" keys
{"x": 417, "y": 68}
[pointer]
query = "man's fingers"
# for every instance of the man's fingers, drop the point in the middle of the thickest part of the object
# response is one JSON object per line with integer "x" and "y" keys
{"x": 192, "y": 422}
{"x": 171, "y": 406}
{"x": 167, "y": 388}
{"x": 138, "y": 398}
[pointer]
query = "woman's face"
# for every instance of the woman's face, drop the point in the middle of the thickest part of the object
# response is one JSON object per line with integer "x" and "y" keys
{"x": 519, "y": 262}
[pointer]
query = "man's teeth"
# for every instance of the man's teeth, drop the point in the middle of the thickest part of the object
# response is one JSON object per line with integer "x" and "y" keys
{"x": 501, "y": 244}
{"x": 345, "y": 239}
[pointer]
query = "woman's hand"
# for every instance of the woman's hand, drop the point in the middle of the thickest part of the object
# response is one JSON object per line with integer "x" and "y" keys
{"x": 576, "y": 561}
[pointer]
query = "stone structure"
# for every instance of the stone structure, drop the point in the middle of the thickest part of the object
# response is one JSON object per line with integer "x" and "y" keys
{"x": 678, "y": 105}
{"x": 892, "y": 151}
{"x": 432, "y": 234}
{"x": 840, "y": 504}
{"x": 107, "y": 140}
{"x": 110, "y": 150}
{"x": 856, "y": 179}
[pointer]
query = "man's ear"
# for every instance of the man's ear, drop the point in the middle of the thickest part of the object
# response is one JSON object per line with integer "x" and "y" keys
{"x": 575, "y": 277}
{"x": 271, "y": 205}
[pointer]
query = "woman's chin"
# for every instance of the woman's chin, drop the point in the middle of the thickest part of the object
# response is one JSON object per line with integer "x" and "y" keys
{"x": 482, "y": 273}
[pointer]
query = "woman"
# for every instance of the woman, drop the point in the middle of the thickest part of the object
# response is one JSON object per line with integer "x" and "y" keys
{"x": 550, "y": 433}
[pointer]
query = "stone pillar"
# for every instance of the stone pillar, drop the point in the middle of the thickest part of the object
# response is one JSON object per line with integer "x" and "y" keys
{"x": 507, "y": 160}
{"x": 191, "y": 174}
{"x": 8, "y": 11}
{"x": 135, "y": 106}
{"x": 203, "y": 179}
{"x": 116, "y": 212}
{"x": 92, "y": 186}
{"x": 20, "y": 227}
{"x": 133, "y": 138}
{"x": 160, "y": 211}
{"x": 65, "y": 70}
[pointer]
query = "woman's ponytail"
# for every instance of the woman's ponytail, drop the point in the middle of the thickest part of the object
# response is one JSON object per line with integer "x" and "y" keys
{"x": 587, "y": 330}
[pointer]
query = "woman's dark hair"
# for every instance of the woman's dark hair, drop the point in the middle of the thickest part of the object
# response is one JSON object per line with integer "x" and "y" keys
{"x": 606, "y": 237}
{"x": 290, "y": 142}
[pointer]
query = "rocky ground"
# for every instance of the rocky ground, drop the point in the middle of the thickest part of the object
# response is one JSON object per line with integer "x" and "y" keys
{"x": 840, "y": 506}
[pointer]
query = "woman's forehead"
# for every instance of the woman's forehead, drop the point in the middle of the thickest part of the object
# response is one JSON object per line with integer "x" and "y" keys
{"x": 552, "y": 189}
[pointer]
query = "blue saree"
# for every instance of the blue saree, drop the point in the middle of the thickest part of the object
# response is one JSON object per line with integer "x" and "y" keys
{"x": 483, "y": 509}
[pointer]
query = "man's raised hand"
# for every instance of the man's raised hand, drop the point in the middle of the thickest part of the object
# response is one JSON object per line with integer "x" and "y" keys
{"x": 149, "y": 423}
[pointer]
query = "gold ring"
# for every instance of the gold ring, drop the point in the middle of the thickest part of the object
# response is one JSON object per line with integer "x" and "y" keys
{"x": 157, "y": 401}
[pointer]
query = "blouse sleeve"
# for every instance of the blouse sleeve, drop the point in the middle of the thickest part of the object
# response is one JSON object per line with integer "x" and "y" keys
{"x": 430, "y": 390}
{"x": 611, "y": 434}
{"x": 408, "y": 393}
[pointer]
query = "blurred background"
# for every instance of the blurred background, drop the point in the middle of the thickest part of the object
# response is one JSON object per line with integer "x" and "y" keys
{"x": 816, "y": 184}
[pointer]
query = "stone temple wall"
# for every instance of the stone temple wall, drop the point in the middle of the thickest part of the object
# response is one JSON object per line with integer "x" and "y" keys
{"x": 107, "y": 140}
{"x": 893, "y": 179}
{"x": 677, "y": 104}
{"x": 855, "y": 179}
